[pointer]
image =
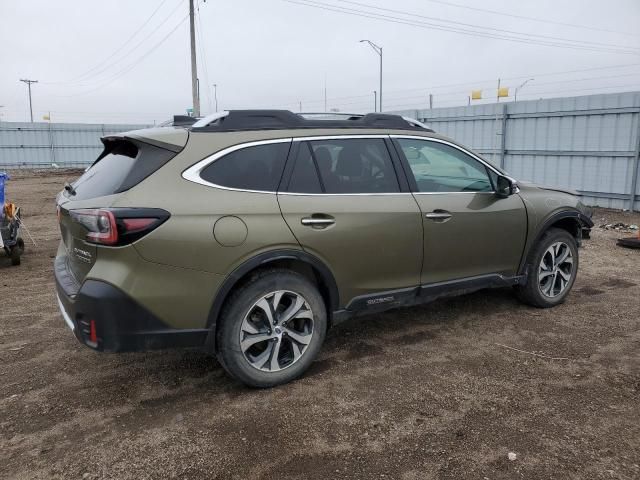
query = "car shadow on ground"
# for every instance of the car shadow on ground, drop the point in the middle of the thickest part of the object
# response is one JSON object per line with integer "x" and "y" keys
{"x": 356, "y": 338}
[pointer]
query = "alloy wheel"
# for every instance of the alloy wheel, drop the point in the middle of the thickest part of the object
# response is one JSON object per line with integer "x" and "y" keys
{"x": 555, "y": 270}
{"x": 276, "y": 331}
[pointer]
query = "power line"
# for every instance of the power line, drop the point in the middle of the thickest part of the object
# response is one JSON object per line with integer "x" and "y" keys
{"x": 548, "y": 37}
{"x": 528, "y": 94}
{"x": 476, "y": 83}
{"x": 608, "y": 67}
{"x": 454, "y": 93}
{"x": 533, "y": 85}
{"x": 432, "y": 26}
{"x": 130, "y": 66}
{"x": 533, "y": 19}
{"x": 108, "y": 66}
{"x": 118, "y": 50}
{"x": 631, "y": 85}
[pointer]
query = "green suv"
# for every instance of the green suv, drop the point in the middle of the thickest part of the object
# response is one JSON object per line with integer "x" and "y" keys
{"x": 250, "y": 233}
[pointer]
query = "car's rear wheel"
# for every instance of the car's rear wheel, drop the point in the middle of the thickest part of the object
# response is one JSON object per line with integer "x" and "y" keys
{"x": 552, "y": 269}
{"x": 271, "y": 329}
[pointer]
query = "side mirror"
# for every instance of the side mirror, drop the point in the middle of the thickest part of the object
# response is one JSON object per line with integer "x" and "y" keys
{"x": 505, "y": 186}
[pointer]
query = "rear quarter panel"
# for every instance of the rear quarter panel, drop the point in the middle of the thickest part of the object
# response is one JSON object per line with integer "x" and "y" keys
{"x": 187, "y": 239}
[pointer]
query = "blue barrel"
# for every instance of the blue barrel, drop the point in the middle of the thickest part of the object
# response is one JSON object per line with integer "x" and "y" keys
{"x": 3, "y": 177}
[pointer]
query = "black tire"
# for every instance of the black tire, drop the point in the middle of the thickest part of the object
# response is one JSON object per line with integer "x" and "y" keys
{"x": 15, "y": 256}
{"x": 531, "y": 293}
{"x": 238, "y": 306}
{"x": 20, "y": 245}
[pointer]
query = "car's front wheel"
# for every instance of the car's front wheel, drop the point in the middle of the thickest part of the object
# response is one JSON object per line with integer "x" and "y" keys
{"x": 271, "y": 329}
{"x": 552, "y": 269}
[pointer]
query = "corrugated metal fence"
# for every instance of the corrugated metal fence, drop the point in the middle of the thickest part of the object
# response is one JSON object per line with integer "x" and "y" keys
{"x": 43, "y": 145}
{"x": 590, "y": 144}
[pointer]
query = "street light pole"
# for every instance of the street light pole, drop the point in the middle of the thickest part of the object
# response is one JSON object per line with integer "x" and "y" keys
{"x": 29, "y": 82}
{"x": 515, "y": 95}
{"x": 215, "y": 94}
{"x": 378, "y": 50}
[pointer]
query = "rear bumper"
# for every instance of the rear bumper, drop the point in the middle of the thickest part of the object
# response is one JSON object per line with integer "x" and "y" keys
{"x": 106, "y": 319}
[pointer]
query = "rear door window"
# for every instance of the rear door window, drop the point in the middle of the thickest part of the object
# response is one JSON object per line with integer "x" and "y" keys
{"x": 360, "y": 165}
{"x": 304, "y": 178}
{"x": 252, "y": 168}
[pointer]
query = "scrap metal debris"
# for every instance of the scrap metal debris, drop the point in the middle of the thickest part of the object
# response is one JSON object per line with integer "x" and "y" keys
{"x": 622, "y": 227}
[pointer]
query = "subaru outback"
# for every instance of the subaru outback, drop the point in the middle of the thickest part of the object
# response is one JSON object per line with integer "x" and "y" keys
{"x": 250, "y": 233}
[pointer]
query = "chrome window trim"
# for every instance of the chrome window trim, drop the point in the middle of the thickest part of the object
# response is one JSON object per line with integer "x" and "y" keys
{"x": 341, "y": 137}
{"x": 192, "y": 173}
{"x": 453, "y": 193}
{"x": 372, "y": 194}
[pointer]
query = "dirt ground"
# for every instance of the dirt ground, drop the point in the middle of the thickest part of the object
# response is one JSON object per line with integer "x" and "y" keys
{"x": 421, "y": 393}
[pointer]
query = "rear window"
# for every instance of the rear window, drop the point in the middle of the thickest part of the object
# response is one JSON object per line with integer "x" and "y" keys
{"x": 251, "y": 168}
{"x": 122, "y": 165}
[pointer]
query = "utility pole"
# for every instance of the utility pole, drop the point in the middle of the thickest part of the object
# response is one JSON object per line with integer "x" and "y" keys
{"x": 430, "y": 101}
{"x": 194, "y": 67}
{"x": 215, "y": 94}
{"x": 29, "y": 82}
{"x": 375, "y": 101}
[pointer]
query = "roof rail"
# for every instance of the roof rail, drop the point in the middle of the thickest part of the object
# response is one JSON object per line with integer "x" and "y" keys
{"x": 183, "y": 121}
{"x": 239, "y": 120}
{"x": 330, "y": 114}
{"x": 416, "y": 123}
{"x": 209, "y": 119}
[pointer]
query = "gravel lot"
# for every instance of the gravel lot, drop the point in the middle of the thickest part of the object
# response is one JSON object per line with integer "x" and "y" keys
{"x": 420, "y": 393}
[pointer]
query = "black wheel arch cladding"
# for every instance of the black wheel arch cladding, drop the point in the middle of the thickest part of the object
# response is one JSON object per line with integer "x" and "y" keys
{"x": 265, "y": 260}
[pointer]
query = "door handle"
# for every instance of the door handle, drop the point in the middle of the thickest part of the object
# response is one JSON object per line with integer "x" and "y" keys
{"x": 438, "y": 215}
{"x": 317, "y": 221}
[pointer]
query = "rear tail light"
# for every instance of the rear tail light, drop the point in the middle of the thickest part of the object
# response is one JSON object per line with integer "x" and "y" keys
{"x": 118, "y": 226}
{"x": 93, "y": 335}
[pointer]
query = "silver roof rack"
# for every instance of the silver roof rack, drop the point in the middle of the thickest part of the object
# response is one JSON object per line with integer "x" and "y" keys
{"x": 209, "y": 119}
{"x": 416, "y": 123}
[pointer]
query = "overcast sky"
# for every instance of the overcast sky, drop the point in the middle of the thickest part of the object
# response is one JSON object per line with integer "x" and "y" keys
{"x": 103, "y": 61}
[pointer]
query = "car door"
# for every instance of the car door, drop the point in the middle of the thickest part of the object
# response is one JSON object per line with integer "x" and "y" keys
{"x": 344, "y": 202}
{"x": 468, "y": 230}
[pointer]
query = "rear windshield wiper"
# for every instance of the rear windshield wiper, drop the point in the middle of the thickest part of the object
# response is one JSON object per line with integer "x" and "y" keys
{"x": 69, "y": 188}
